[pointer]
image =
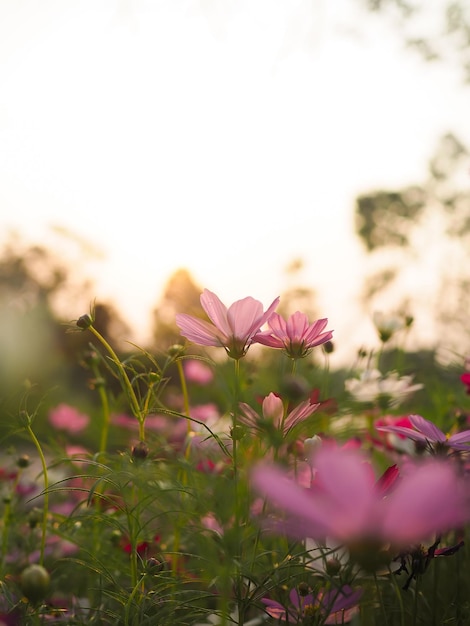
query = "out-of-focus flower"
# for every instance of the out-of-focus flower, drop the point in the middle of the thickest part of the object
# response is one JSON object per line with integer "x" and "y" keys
{"x": 198, "y": 372}
{"x": 214, "y": 620}
{"x": 335, "y": 605}
{"x": 394, "y": 441}
{"x": 430, "y": 435}
{"x": 294, "y": 335}
{"x": 465, "y": 378}
{"x": 387, "y": 390}
{"x": 416, "y": 561}
{"x": 345, "y": 504}
{"x": 232, "y": 328}
{"x": 66, "y": 417}
{"x": 388, "y": 324}
{"x": 273, "y": 414}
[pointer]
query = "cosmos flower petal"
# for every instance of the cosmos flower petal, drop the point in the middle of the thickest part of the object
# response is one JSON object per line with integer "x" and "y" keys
{"x": 301, "y": 412}
{"x": 346, "y": 479}
{"x": 459, "y": 438}
{"x": 216, "y": 311}
{"x": 406, "y": 432}
{"x": 199, "y": 331}
{"x": 271, "y": 482}
{"x": 429, "y": 500}
{"x": 244, "y": 317}
{"x": 430, "y": 430}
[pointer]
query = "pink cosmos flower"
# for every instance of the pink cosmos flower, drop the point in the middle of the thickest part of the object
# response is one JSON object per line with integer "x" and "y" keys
{"x": 345, "y": 504}
{"x": 198, "y": 372}
{"x": 428, "y": 433}
{"x": 273, "y": 413}
{"x": 233, "y": 328}
{"x": 335, "y": 605}
{"x": 66, "y": 417}
{"x": 296, "y": 336}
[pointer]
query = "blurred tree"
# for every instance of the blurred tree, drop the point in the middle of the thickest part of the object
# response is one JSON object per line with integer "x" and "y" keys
{"x": 180, "y": 295}
{"x": 418, "y": 238}
{"x": 34, "y": 343}
{"x": 438, "y": 30}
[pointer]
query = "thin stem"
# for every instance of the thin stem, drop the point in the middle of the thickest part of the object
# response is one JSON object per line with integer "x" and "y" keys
{"x": 415, "y": 601}
{"x": 184, "y": 389}
{"x": 379, "y": 594}
{"x": 134, "y": 403}
{"x": 399, "y": 597}
{"x": 46, "y": 490}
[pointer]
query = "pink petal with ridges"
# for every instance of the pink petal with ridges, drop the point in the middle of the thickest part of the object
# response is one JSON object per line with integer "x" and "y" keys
{"x": 216, "y": 311}
{"x": 460, "y": 438}
{"x": 430, "y": 430}
{"x": 406, "y": 432}
{"x": 244, "y": 317}
{"x": 199, "y": 331}
{"x": 296, "y": 326}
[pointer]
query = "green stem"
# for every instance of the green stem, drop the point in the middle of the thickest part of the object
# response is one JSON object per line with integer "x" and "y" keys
{"x": 379, "y": 594}
{"x": 184, "y": 389}
{"x": 46, "y": 491}
{"x": 105, "y": 408}
{"x": 399, "y": 597}
{"x": 134, "y": 403}
{"x": 415, "y": 601}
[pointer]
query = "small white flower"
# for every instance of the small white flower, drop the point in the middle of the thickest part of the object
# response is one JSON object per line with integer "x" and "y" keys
{"x": 388, "y": 324}
{"x": 311, "y": 445}
{"x": 390, "y": 388}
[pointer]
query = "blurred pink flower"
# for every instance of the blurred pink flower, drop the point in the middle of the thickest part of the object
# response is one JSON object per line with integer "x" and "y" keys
{"x": 465, "y": 378}
{"x": 428, "y": 433}
{"x": 198, "y": 372}
{"x": 273, "y": 412}
{"x": 232, "y": 328}
{"x": 296, "y": 336}
{"x": 66, "y": 417}
{"x": 393, "y": 441}
{"x": 345, "y": 504}
{"x": 334, "y": 605}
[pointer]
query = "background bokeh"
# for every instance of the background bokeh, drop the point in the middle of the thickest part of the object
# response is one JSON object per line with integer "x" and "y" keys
{"x": 264, "y": 145}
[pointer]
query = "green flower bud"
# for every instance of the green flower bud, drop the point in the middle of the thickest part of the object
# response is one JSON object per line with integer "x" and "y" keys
{"x": 176, "y": 350}
{"x": 35, "y": 582}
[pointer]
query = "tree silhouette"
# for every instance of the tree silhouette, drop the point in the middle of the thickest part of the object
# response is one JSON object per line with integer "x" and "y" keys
{"x": 425, "y": 230}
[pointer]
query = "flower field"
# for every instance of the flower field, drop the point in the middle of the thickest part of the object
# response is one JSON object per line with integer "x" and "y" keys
{"x": 235, "y": 478}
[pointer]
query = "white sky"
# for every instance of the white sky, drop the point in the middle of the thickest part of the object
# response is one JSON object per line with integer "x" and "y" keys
{"x": 227, "y": 136}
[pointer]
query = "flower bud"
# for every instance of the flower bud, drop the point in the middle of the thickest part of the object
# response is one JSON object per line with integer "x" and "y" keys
{"x": 303, "y": 589}
{"x": 84, "y": 322}
{"x": 311, "y": 445}
{"x": 35, "y": 582}
{"x": 23, "y": 461}
{"x": 176, "y": 350}
{"x": 333, "y": 566}
{"x": 140, "y": 451}
{"x": 329, "y": 347}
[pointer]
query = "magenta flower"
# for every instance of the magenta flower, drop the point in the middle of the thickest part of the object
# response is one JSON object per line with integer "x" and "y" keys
{"x": 273, "y": 413}
{"x": 233, "y": 328}
{"x": 296, "y": 336}
{"x": 428, "y": 433}
{"x": 66, "y": 417}
{"x": 344, "y": 503}
{"x": 337, "y": 606}
{"x": 465, "y": 378}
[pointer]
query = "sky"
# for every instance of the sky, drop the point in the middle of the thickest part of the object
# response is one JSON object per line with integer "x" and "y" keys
{"x": 229, "y": 137}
